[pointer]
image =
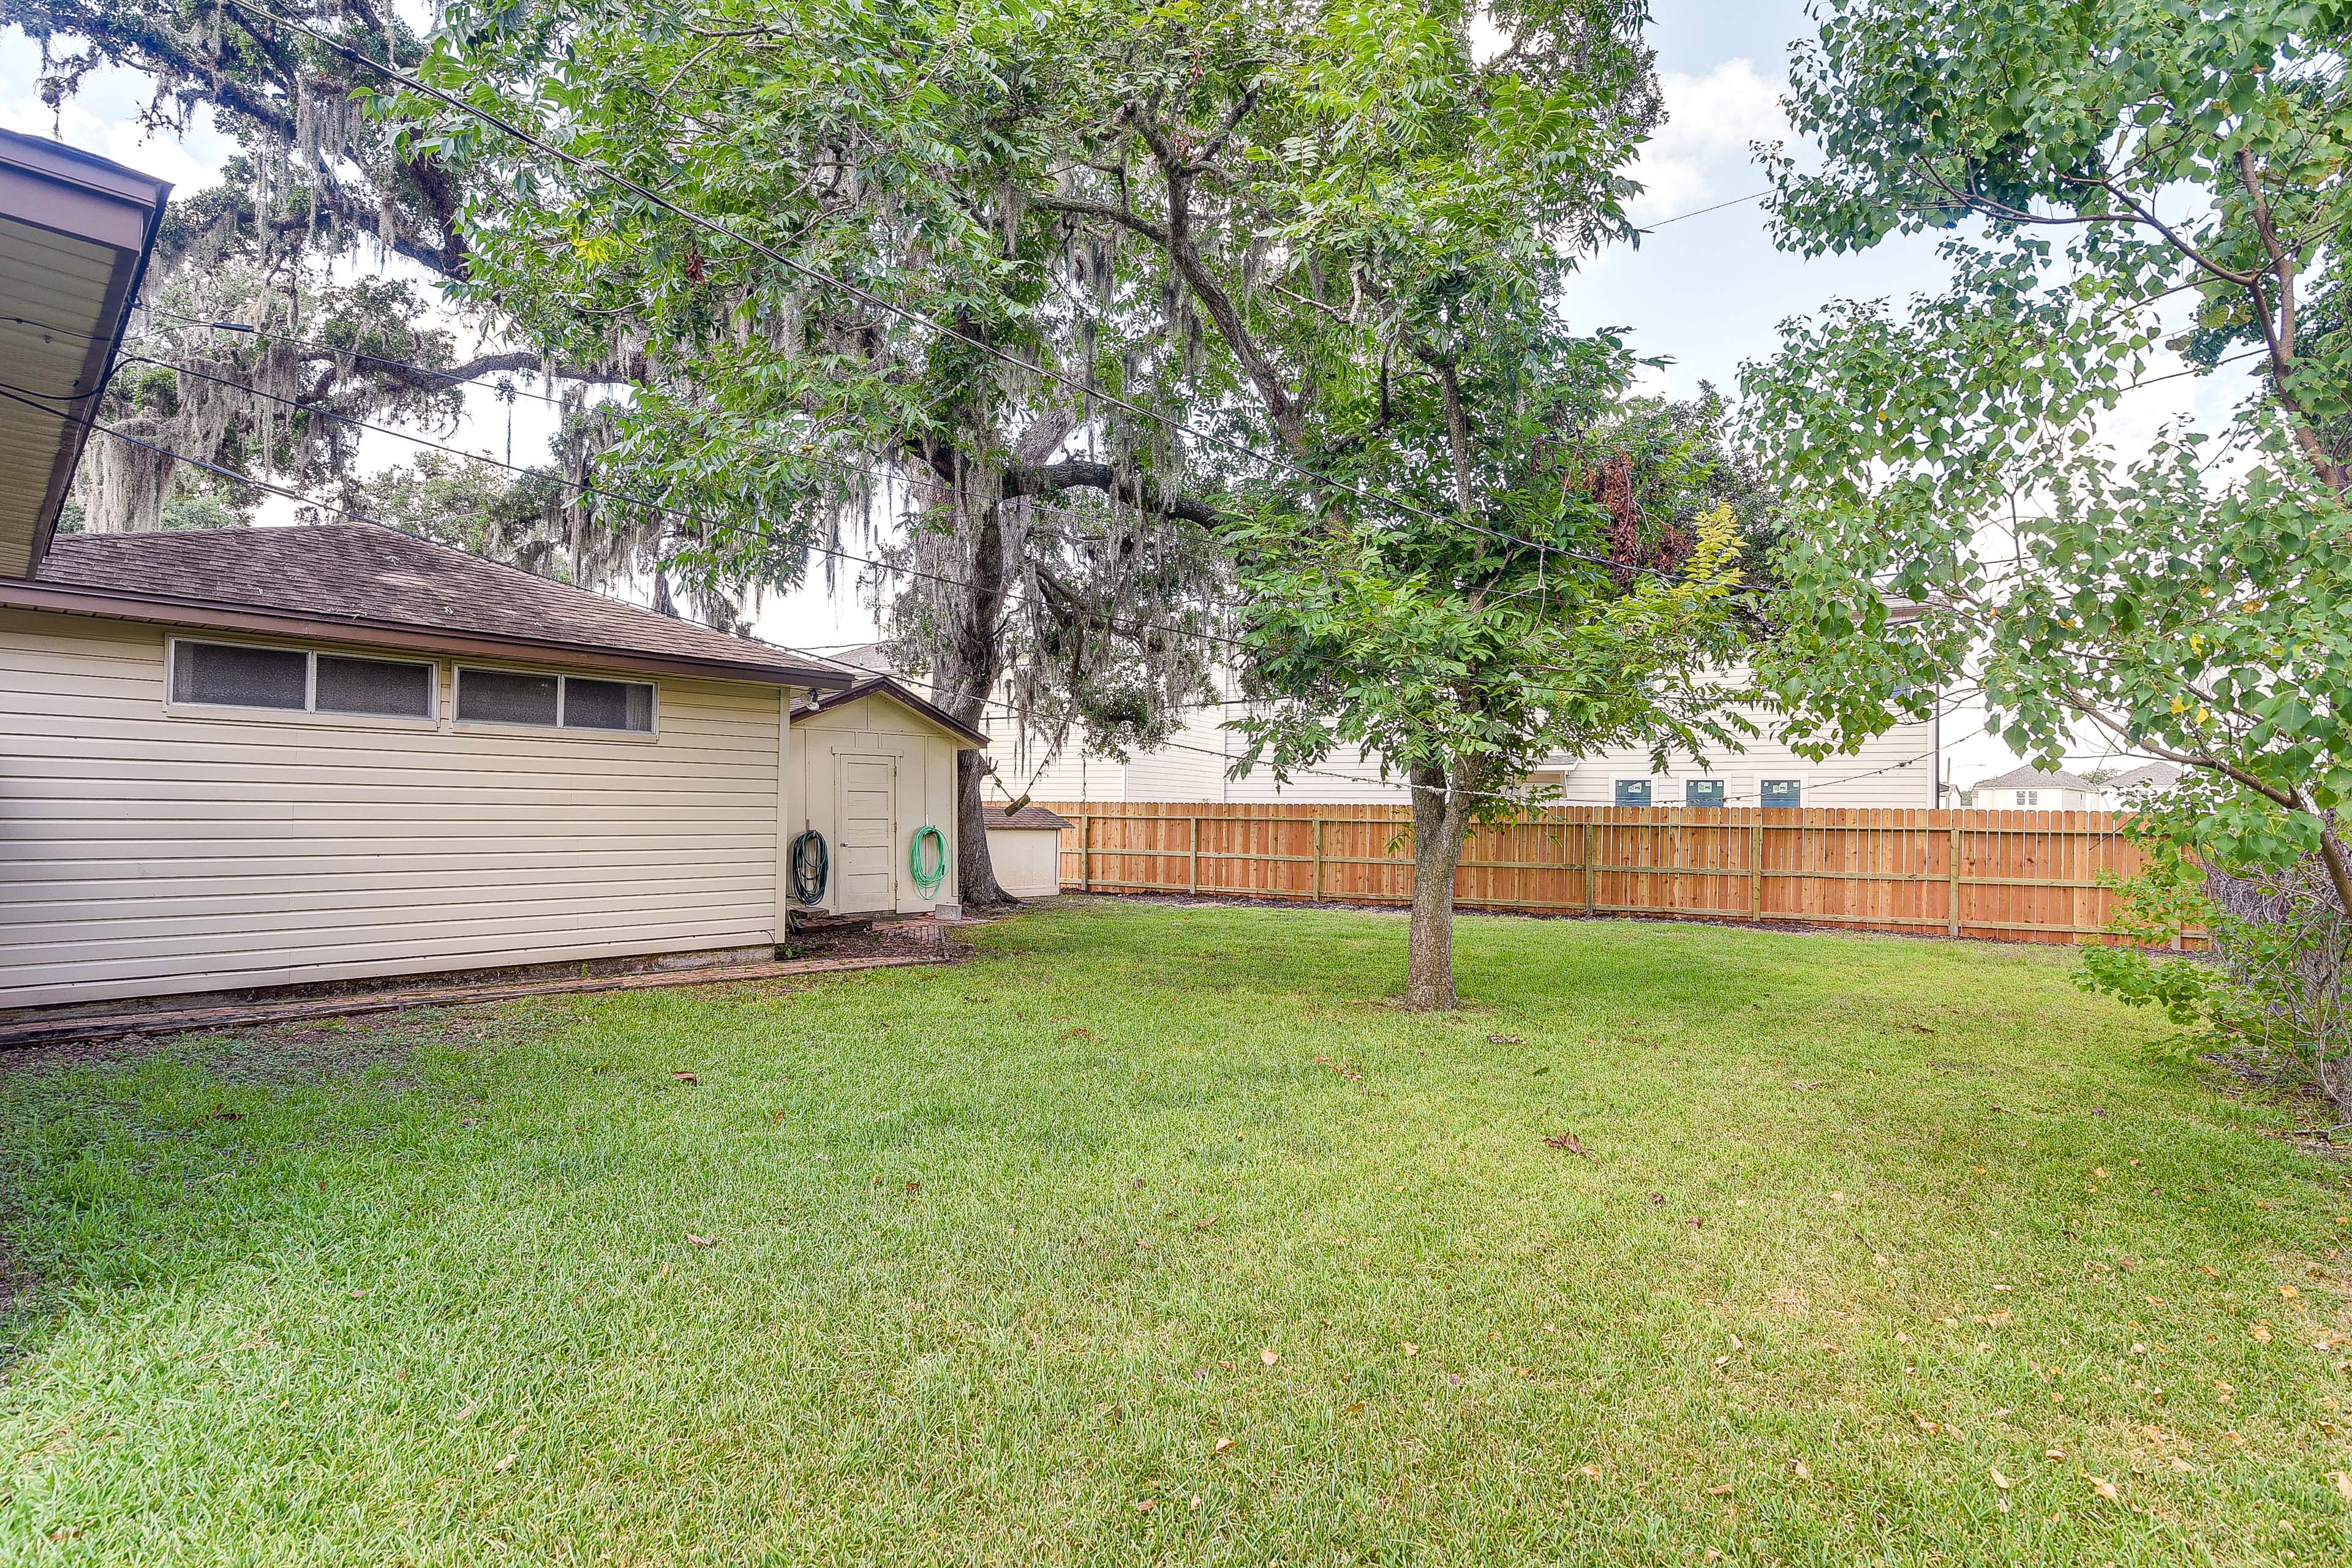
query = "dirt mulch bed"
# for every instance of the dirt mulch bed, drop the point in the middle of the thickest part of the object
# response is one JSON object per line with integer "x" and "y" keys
{"x": 39, "y": 1041}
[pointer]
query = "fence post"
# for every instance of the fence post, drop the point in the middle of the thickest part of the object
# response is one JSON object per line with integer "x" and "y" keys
{"x": 1086, "y": 859}
{"x": 1952, "y": 894}
{"x": 1196, "y": 855}
{"x": 1755, "y": 866}
{"x": 1317, "y": 895}
{"x": 1590, "y": 833}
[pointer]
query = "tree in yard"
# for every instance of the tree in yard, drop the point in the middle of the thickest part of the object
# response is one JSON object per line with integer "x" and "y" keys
{"x": 2121, "y": 174}
{"x": 1572, "y": 618}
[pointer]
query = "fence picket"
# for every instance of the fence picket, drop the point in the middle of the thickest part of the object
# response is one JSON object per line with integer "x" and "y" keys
{"x": 2007, "y": 876}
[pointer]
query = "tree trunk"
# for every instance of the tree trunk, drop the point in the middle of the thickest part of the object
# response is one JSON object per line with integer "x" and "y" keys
{"x": 1441, "y": 817}
{"x": 975, "y": 873}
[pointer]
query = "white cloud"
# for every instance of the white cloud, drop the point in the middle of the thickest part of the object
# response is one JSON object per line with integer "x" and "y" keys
{"x": 1701, "y": 154}
{"x": 103, "y": 118}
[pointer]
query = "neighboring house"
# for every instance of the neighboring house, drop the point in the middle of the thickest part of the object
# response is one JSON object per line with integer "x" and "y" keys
{"x": 1899, "y": 768}
{"x": 2037, "y": 789}
{"x": 242, "y": 758}
{"x": 2118, "y": 792}
{"x": 1024, "y": 848}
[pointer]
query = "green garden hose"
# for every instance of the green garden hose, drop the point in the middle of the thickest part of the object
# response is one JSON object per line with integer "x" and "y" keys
{"x": 928, "y": 870}
{"x": 811, "y": 865}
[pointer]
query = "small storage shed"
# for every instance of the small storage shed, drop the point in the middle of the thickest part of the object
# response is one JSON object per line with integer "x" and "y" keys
{"x": 877, "y": 768}
{"x": 1025, "y": 848}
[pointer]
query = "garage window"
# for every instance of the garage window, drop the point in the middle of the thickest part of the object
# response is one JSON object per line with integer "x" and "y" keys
{"x": 554, "y": 702}
{"x": 296, "y": 680}
{"x": 1703, "y": 792}
{"x": 1633, "y": 792}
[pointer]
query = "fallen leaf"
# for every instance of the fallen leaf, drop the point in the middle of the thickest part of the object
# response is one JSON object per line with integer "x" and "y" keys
{"x": 1269, "y": 1355}
{"x": 358, "y": 1295}
{"x": 2342, "y": 1485}
{"x": 2104, "y": 1488}
{"x": 1569, "y": 1143}
{"x": 2100, "y": 1172}
{"x": 464, "y": 1414}
{"x": 1146, "y": 1506}
{"x": 699, "y": 1240}
{"x": 2004, "y": 1287}
{"x": 1718, "y": 1491}
{"x": 2210, "y": 1270}
{"x": 1590, "y": 1472}
{"x": 1505, "y": 1041}
{"x": 687, "y": 1077}
{"x": 2184, "y": 1466}
{"x": 506, "y": 1463}
{"x": 1412, "y": 1349}
{"x": 1803, "y": 1473}
{"x": 1196, "y": 1499}
{"x": 2261, "y": 1332}
{"x": 1221, "y": 1445}
{"x": 1998, "y": 1480}
{"x": 2288, "y": 1291}
{"x": 2053, "y": 1453}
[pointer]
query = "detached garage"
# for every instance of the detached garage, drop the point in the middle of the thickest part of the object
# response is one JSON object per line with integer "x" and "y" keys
{"x": 238, "y": 759}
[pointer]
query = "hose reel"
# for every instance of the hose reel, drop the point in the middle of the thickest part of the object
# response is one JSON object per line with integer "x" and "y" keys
{"x": 929, "y": 870}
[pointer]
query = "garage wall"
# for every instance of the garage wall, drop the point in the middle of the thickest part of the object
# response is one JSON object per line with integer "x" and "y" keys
{"x": 875, "y": 726}
{"x": 146, "y": 851}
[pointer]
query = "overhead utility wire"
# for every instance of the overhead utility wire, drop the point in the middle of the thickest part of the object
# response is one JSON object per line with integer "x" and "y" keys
{"x": 722, "y": 525}
{"x": 906, "y": 313}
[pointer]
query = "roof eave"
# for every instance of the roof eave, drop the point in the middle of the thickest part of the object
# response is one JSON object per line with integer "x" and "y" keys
{"x": 886, "y": 686}
{"x": 17, "y": 593}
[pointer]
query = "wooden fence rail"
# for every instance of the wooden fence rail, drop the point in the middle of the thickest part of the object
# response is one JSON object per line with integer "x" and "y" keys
{"x": 2008, "y": 876}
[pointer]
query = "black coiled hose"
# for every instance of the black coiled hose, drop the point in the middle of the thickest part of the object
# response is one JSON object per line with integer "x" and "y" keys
{"x": 812, "y": 864}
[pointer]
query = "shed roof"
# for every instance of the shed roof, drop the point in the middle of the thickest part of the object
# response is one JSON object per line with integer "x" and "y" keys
{"x": 75, "y": 234}
{"x": 369, "y": 585}
{"x": 1028, "y": 816}
{"x": 888, "y": 687}
{"x": 2038, "y": 778}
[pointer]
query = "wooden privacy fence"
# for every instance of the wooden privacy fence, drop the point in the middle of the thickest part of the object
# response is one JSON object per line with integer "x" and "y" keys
{"x": 2009, "y": 876}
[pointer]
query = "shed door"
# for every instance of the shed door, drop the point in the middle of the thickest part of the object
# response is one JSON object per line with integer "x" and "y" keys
{"x": 868, "y": 823}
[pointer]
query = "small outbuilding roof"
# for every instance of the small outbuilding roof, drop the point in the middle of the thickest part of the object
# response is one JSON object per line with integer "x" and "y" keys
{"x": 888, "y": 687}
{"x": 362, "y": 584}
{"x": 2038, "y": 778}
{"x": 1028, "y": 816}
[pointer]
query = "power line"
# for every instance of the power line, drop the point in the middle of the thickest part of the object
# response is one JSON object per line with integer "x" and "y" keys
{"x": 721, "y": 525}
{"x": 1702, "y": 212}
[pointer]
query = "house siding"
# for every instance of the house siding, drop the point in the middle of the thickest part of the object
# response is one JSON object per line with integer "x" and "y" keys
{"x": 1895, "y": 769}
{"x": 148, "y": 851}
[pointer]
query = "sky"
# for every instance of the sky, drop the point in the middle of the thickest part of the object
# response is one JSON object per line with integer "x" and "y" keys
{"x": 1705, "y": 290}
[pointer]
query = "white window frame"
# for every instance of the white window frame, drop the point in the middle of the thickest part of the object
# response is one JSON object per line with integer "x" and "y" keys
{"x": 308, "y": 713}
{"x": 563, "y": 678}
{"x": 2027, "y": 799}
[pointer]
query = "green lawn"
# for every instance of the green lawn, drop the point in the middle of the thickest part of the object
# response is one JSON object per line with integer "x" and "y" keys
{"x": 1162, "y": 1235}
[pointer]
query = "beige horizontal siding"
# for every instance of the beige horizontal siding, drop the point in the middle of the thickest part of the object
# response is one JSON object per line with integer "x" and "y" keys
{"x": 145, "y": 851}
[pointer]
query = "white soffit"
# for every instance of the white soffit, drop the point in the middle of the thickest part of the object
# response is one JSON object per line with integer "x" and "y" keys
{"x": 75, "y": 232}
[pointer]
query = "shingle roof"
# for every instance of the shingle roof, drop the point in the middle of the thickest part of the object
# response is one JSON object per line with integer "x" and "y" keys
{"x": 352, "y": 577}
{"x": 2036, "y": 778}
{"x": 1028, "y": 817}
